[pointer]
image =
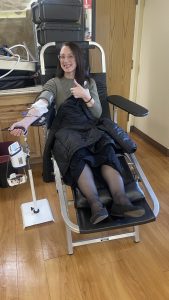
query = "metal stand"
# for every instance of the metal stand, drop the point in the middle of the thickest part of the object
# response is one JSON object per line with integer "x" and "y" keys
{"x": 37, "y": 211}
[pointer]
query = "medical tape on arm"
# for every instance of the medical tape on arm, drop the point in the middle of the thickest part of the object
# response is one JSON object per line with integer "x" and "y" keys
{"x": 41, "y": 107}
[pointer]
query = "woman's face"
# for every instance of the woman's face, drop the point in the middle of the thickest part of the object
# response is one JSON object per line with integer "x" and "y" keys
{"x": 67, "y": 62}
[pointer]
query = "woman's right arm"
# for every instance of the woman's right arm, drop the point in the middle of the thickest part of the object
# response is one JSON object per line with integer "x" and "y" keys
{"x": 33, "y": 114}
{"x": 37, "y": 109}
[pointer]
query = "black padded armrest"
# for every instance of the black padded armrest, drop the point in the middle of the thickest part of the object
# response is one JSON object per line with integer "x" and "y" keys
{"x": 127, "y": 105}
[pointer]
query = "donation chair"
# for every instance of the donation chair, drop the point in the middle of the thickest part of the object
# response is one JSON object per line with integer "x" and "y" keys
{"x": 136, "y": 183}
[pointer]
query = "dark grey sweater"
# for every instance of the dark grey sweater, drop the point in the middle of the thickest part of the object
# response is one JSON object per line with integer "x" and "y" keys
{"x": 60, "y": 87}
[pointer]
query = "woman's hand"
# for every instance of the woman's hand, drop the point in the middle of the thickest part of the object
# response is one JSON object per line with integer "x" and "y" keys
{"x": 31, "y": 116}
{"x": 79, "y": 92}
{"x": 16, "y": 128}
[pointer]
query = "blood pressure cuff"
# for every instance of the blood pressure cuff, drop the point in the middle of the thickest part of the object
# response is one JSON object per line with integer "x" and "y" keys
{"x": 48, "y": 96}
{"x": 48, "y": 116}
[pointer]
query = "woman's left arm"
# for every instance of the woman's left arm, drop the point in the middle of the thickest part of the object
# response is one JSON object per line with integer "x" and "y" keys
{"x": 89, "y": 95}
{"x": 94, "y": 105}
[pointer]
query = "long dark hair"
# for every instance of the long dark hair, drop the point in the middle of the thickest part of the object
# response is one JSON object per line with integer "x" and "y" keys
{"x": 80, "y": 73}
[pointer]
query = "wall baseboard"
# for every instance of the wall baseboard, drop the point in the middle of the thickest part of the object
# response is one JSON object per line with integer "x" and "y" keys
{"x": 148, "y": 139}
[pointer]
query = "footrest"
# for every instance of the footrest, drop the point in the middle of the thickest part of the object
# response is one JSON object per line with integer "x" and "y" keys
{"x": 85, "y": 226}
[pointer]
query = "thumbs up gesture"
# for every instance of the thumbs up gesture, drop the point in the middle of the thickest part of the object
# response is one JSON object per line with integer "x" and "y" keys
{"x": 80, "y": 92}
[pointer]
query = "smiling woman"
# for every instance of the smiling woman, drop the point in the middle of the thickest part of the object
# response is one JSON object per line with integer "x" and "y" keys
{"x": 67, "y": 62}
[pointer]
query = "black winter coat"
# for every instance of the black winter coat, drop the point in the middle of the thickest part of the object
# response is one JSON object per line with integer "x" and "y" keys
{"x": 74, "y": 127}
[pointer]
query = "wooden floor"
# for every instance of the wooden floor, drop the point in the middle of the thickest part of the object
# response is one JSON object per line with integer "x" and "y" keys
{"x": 34, "y": 264}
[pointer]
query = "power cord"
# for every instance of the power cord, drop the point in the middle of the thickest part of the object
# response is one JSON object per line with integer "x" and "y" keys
{"x": 14, "y": 55}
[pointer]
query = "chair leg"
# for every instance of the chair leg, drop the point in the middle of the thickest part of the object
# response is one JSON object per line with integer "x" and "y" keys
{"x": 137, "y": 236}
{"x": 69, "y": 240}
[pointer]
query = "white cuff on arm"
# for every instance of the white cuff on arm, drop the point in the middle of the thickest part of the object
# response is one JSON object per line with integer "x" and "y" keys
{"x": 41, "y": 106}
{"x": 47, "y": 95}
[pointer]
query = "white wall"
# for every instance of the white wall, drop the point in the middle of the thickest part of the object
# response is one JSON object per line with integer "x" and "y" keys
{"x": 153, "y": 78}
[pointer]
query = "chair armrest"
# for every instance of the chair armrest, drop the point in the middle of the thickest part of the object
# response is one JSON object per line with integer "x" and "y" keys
{"x": 128, "y": 106}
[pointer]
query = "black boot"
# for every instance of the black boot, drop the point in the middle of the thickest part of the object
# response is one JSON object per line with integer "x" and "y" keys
{"x": 122, "y": 207}
{"x": 99, "y": 213}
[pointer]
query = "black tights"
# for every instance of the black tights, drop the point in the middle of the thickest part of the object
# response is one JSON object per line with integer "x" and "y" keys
{"x": 113, "y": 179}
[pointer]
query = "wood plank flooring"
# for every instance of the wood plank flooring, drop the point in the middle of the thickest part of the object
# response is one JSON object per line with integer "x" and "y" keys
{"x": 34, "y": 264}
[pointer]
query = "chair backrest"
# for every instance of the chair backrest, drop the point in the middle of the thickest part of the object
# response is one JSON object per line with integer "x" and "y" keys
{"x": 100, "y": 79}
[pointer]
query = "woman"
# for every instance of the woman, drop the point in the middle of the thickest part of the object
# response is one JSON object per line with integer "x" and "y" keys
{"x": 80, "y": 147}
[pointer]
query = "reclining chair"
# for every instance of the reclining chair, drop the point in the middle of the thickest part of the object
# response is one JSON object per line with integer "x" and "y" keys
{"x": 134, "y": 178}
